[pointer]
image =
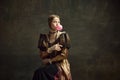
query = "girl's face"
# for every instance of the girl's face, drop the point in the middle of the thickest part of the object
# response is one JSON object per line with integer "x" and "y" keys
{"x": 55, "y": 22}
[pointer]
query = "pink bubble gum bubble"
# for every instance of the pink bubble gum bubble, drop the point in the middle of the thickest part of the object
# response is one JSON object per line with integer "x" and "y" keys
{"x": 59, "y": 27}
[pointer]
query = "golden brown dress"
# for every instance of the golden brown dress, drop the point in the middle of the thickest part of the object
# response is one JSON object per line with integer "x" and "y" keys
{"x": 60, "y": 67}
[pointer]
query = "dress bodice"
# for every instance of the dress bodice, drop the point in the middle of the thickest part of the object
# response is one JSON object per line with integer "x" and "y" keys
{"x": 44, "y": 43}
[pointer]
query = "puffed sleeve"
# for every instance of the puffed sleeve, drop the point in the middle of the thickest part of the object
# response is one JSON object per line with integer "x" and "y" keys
{"x": 67, "y": 41}
{"x": 42, "y": 45}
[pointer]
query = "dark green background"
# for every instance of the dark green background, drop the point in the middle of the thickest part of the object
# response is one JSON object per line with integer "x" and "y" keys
{"x": 93, "y": 26}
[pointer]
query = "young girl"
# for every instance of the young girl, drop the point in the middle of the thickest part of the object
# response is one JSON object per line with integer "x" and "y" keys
{"x": 54, "y": 48}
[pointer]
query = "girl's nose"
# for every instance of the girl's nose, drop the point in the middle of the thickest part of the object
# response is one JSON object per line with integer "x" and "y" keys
{"x": 58, "y": 23}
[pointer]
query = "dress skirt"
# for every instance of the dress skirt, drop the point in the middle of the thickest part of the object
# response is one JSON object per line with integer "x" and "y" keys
{"x": 48, "y": 72}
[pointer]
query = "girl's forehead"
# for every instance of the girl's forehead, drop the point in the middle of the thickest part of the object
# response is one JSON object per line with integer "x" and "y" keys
{"x": 56, "y": 18}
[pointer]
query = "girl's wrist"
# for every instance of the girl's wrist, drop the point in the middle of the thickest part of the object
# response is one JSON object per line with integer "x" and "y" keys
{"x": 49, "y": 50}
{"x": 50, "y": 61}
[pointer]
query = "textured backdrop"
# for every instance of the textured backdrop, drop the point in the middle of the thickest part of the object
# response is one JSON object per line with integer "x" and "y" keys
{"x": 93, "y": 26}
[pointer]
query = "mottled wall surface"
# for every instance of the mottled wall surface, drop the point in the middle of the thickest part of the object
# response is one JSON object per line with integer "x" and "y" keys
{"x": 93, "y": 25}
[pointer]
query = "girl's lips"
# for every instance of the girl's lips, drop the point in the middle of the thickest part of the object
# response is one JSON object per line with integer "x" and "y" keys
{"x": 59, "y": 27}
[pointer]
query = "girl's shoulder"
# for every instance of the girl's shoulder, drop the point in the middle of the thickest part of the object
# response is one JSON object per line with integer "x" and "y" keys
{"x": 61, "y": 33}
{"x": 43, "y": 35}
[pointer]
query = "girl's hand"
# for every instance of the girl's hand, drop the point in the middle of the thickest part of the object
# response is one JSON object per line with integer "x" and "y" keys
{"x": 56, "y": 47}
{"x": 46, "y": 61}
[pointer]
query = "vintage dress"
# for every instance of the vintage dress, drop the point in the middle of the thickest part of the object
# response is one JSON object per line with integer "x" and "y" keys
{"x": 60, "y": 67}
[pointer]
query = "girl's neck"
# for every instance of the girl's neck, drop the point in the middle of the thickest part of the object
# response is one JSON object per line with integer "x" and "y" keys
{"x": 52, "y": 31}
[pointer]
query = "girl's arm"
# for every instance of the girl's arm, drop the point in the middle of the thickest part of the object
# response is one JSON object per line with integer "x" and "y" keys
{"x": 60, "y": 57}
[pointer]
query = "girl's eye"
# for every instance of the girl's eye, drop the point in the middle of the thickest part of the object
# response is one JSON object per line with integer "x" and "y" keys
{"x": 56, "y": 21}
